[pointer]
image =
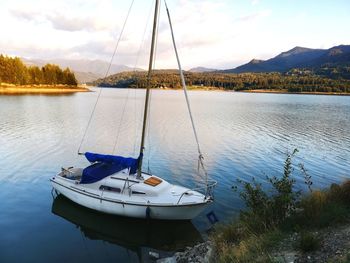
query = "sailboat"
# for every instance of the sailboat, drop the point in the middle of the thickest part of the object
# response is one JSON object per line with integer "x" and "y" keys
{"x": 117, "y": 185}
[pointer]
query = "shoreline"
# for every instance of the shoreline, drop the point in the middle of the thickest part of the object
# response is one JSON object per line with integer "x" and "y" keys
{"x": 272, "y": 91}
{"x": 275, "y": 91}
{"x": 8, "y": 89}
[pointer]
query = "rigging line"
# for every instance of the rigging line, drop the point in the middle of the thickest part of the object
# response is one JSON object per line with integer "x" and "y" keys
{"x": 121, "y": 121}
{"x": 143, "y": 36}
{"x": 119, "y": 39}
{"x": 136, "y": 63}
{"x": 200, "y": 157}
{"x": 108, "y": 69}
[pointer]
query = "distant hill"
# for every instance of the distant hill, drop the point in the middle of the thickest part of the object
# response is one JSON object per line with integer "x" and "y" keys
{"x": 86, "y": 77}
{"x": 295, "y": 80}
{"x": 202, "y": 69}
{"x": 298, "y": 57}
{"x": 338, "y": 55}
{"x": 84, "y": 69}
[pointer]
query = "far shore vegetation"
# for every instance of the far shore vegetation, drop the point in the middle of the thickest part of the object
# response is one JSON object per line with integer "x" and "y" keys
{"x": 325, "y": 81}
{"x": 272, "y": 215}
{"x": 328, "y": 79}
{"x": 17, "y": 78}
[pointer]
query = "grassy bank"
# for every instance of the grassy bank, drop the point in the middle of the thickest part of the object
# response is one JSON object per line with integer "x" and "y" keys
{"x": 283, "y": 216}
{"x": 8, "y": 89}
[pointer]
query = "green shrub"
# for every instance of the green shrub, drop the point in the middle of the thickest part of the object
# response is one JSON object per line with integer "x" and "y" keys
{"x": 271, "y": 215}
{"x": 263, "y": 210}
{"x": 332, "y": 214}
{"x": 314, "y": 204}
{"x": 325, "y": 208}
{"x": 340, "y": 193}
{"x": 308, "y": 242}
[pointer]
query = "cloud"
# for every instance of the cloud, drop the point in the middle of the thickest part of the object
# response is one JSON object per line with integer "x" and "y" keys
{"x": 62, "y": 20}
{"x": 255, "y": 2}
{"x": 210, "y": 33}
{"x": 31, "y": 50}
{"x": 220, "y": 33}
{"x": 200, "y": 27}
{"x": 204, "y": 29}
{"x": 254, "y": 16}
{"x": 25, "y": 14}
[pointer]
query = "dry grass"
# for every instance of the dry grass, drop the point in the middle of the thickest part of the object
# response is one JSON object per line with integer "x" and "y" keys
{"x": 327, "y": 207}
{"x": 250, "y": 248}
{"x": 236, "y": 242}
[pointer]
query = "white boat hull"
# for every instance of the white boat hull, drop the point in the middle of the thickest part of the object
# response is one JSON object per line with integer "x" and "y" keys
{"x": 125, "y": 205}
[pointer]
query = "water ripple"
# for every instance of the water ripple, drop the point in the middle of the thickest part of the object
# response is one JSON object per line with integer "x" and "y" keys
{"x": 242, "y": 136}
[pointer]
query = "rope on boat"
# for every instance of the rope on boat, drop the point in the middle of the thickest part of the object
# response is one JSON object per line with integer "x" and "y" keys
{"x": 127, "y": 96}
{"x": 183, "y": 83}
{"x": 121, "y": 122}
{"x": 108, "y": 69}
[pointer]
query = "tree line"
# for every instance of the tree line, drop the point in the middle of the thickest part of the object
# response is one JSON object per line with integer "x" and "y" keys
{"x": 294, "y": 81}
{"x": 14, "y": 71}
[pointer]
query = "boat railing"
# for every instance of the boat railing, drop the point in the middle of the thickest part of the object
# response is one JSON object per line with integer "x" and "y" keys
{"x": 208, "y": 188}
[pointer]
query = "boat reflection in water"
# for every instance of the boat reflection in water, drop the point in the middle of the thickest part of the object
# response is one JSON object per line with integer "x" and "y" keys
{"x": 133, "y": 234}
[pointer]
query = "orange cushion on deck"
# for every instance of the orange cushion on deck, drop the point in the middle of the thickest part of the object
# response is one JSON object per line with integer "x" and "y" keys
{"x": 153, "y": 181}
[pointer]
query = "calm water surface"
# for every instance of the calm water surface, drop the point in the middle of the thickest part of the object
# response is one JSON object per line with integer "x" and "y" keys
{"x": 242, "y": 136}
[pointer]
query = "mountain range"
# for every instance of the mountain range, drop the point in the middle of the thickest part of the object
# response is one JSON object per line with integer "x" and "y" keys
{"x": 298, "y": 57}
{"x": 85, "y": 70}
{"x": 202, "y": 69}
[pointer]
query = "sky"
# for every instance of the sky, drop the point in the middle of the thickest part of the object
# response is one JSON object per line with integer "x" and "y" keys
{"x": 217, "y": 34}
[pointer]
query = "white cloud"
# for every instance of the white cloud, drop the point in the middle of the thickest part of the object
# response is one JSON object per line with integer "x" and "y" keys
{"x": 255, "y": 2}
{"x": 254, "y": 16}
{"x": 206, "y": 33}
{"x": 221, "y": 33}
{"x": 62, "y": 20}
{"x": 209, "y": 34}
{"x": 25, "y": 14}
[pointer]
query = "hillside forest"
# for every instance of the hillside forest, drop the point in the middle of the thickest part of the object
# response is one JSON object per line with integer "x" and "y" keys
{"x": 295, "y": 80}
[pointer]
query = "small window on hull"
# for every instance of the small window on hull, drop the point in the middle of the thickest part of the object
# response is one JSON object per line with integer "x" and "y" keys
{"x": 110, "y": 188}
{"x": 138, "y": 193}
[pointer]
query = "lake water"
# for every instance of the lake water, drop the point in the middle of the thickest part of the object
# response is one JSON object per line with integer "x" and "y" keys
{"x": 242, "y": 136}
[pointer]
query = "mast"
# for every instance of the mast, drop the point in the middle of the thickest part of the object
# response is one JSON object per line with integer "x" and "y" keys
{"x": 150, "y": 65}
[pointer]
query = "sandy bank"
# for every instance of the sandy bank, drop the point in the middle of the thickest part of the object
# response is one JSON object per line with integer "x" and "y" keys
{"x": 40, "y": 89}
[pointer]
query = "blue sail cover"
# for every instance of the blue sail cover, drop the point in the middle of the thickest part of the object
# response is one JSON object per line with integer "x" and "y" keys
{"x": 105, "y": 165}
